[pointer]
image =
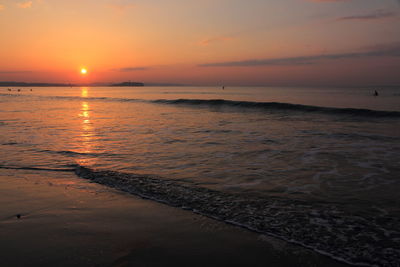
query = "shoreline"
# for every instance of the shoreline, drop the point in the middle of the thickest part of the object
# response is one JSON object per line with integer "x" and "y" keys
{"x": 66, "y": 220}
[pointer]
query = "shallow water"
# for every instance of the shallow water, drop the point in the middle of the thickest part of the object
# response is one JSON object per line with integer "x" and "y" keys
{"x": 329, "y": 158}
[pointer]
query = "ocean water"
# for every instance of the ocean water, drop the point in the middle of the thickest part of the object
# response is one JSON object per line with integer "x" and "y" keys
{"x": 315, "y": 166}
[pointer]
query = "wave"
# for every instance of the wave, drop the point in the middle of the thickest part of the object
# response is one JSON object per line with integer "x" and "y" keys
{"x": 74, "y": 153}
{"x": 266, "y": 106}
{"x": 322, "y": 227}
{"x": 9, "y": 143}
{"x": 281, "y": 106}
{"x": 37, "y": 169}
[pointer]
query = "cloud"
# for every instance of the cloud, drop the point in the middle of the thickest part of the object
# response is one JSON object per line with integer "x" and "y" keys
{"x": 120, "y": 5}
{"x": 327, "y": 1}
{"x": 2, "y": 7}
{"x": 334, "y": 1}
{"x": 392, "y": 50}
{"x": 26, "y": 4}
{"x": 129, "y": 69}
{"x": 377, "y": 14}
{"x": 15, "y": 72}
{"x": 212, "y": 40}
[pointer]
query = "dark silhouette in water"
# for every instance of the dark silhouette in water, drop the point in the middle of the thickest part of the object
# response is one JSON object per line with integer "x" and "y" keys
{"x": 376, "y": 93}
{"x": 223, "y": 87}
{"x": 19, "y": 90}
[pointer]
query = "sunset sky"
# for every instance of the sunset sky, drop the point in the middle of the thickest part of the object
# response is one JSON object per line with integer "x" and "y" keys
{"x": 207, "y": 42}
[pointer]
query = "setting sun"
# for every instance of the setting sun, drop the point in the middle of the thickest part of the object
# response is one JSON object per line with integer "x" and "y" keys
{"x": 83, "y": 71}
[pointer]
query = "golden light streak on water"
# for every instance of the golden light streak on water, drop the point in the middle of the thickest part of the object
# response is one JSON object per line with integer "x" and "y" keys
{"x": 87, "y": 134}
{"x": 84, "y": 92}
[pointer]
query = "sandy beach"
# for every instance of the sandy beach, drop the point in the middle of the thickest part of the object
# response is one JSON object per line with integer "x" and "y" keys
{"x": 65, "y": 220}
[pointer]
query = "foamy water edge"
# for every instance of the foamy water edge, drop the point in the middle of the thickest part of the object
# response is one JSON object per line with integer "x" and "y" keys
{"x": 322, "y": 228}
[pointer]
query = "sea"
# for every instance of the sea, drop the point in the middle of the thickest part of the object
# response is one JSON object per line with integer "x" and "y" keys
{"x": 319, "y": 167}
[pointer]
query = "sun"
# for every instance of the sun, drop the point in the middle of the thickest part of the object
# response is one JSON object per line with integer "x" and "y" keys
{"x": 83, "y": 71}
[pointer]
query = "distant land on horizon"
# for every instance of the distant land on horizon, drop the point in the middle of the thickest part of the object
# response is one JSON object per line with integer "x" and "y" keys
{"x": 122, "y": 84}
{"x": 24, "y": 84}
{"x": 129, "y": 84}
{"x": 44, "y": 84}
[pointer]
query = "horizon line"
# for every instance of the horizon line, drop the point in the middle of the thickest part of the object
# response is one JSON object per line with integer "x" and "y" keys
{"x": 154, "y": 84}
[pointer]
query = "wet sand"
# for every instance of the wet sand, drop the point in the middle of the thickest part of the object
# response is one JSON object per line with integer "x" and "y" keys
{"x": 66, "y": 221}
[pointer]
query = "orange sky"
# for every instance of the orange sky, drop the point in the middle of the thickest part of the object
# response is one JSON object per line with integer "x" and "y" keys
{"x": 233, "y": 42}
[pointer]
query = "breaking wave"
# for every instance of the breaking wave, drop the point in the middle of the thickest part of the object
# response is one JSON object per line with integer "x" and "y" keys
{"x": 282, "y": 106}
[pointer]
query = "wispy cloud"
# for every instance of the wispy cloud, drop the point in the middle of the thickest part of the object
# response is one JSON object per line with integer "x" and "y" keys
{"x": 327, "y": 1}
{"x": 26, "y": 4}
{"x": 334, "y": 1}
{"x": 129, "y": 69}
{"x": 392, "y": 50}
{"x": 2, "y": 7}
{"x": 213, "y": 40}
{"x": 377, "y": 14}
{"x": 120, "y": 5}
{"x": 14, "y": 72}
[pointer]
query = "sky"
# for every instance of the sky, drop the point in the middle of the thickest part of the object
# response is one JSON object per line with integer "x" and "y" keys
{"x": 208, "y": 42}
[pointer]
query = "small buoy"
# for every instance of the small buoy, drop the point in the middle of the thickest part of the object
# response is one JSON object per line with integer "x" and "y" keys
{"x": 18, "y": 216}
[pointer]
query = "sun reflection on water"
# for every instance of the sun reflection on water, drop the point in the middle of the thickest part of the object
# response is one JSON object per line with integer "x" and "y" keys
{"x": 84, "y": 92}
{"x": 87, "y": 134}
